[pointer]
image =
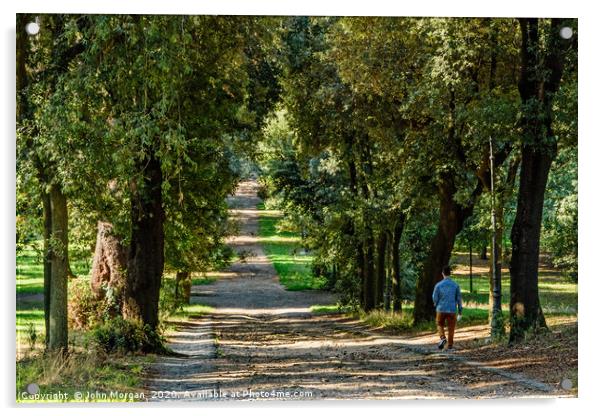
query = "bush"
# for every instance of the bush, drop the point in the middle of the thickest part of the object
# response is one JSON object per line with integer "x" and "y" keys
{"x": 84, "y": 310}
{"x": 123, "y": 336}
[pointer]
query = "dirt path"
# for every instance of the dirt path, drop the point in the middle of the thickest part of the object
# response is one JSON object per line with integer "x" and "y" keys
{"x": 262, "y": 342}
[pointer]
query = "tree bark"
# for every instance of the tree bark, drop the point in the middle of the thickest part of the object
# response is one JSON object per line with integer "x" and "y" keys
{"x": 146, "y": 256}
{"x": 109, "y": 267}
{"x": 368, "y": 277}
{"x": 58, "y": 331}
{"x": 397, "y": 295}
{"x": 537, "y": 87}
{"x": 499, "y": 235}
{"x": 381, "y": 252}
{"x": 47, "y": 258}
{"x": 388, "y": 272}
{"x": 525, "y": 309}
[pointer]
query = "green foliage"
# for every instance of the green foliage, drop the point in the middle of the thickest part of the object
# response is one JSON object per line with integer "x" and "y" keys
{"x": 119, "y": 335}
{"x": 560, "y": 222}
{"x": 84, "y": 309}
{"x": 168, "y": 303}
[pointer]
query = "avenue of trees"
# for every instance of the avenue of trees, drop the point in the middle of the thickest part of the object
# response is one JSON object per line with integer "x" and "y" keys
{"x": 380, "y": 149}
{"x": 373, "y": 133}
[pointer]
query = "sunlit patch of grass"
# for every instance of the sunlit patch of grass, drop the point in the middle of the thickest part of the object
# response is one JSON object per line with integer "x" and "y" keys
{"x": 30, "y": 272}
{"x": 395, "y": 321}
{"x": 404, "y": 322}
{"x": 283, "y": 248}
{"x": 206, "y": 280}
{"x": 557, "y": 295}
{"x": 29, "y": 317}
{"x": 330, "y": 309}
{"x": 82, "y": 372}
{"x": 30, "y": 269}
{"x": 192, "y": 310}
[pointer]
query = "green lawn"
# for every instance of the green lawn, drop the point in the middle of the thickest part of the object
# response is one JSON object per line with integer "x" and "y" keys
{"x": 284, "y": 250}
{"x": 30, "y": 270}
{"x": 557, "y": 295}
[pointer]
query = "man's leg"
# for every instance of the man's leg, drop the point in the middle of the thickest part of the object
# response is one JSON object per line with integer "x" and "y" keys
{"x": 440, "y": 324}
{"x": 441, "y": 329}
{"x": 451, "y": 327}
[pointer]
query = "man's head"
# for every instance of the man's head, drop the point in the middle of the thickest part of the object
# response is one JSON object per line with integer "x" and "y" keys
{"x": 446, "y": 271}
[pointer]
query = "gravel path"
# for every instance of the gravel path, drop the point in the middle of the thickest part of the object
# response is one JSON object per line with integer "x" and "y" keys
{"x": 261, "y": 342}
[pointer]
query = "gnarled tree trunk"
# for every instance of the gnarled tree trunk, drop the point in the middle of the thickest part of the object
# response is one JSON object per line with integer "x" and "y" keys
{"x": 109, "y": 267}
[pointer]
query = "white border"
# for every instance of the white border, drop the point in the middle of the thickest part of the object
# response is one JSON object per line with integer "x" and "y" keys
{"x": 589, "y": 185}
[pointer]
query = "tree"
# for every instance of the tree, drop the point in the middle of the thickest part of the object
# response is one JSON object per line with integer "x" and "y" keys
{"x": 42, "y": 64}
{"x": 171, "y": 95}
{"x": 543, "y": 61}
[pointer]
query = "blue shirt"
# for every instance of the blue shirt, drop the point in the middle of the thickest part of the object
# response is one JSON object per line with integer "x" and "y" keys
{"x": 447, "y": 296}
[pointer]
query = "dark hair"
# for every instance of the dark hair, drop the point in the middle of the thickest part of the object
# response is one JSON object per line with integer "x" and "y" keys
{"x": 447, "y": 270}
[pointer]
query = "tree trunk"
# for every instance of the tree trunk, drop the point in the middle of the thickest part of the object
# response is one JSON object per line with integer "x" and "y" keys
{"x": 388, "y": 272}
{"x": 368, "y": 278}
{"x": 483, "y": 254}
{"x": 499, "y": 235}
{"x": 146, "y": 256}
{"x": 397, "y": 295}
{"x": 537, "y": 87}
{"x": 525, "y": 310}
{"x": 47, "y": 261}
{"x": 451, "y": 221}
{"x": 58, "y": 332}
{"x": 381, "y": 252}
{"x": 109, "y": 267}
{"x": 361, "y": 270}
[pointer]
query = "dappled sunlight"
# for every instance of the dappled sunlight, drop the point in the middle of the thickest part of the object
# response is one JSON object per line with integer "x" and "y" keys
{"x": 260, "y": 336}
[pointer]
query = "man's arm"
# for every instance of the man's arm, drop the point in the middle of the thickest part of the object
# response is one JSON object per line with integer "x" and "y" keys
{"x": 436, "y": 295}
{"x": 459, "y": 299}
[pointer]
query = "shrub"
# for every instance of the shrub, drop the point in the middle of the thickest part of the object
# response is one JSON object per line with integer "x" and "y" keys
{"x": 84, "y": 310}
{"x": 118, "y": 335}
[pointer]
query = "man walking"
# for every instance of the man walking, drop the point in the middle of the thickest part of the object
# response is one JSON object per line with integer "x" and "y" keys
{"x": 446, "y": 297}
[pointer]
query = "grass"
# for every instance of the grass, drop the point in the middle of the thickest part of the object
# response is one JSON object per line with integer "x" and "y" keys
{"x": 81, "y": 372}
{"x": 205, "y": 280}
{"x": 191, "y": 311}
{"x": 557, "y": 295}
{"x": 30, "y": 270}
{"x": 404, "y": 323}
{"x": 329, "y": 309}
{"x": 283, "y": 248}
{"x": 83, "y": 369}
